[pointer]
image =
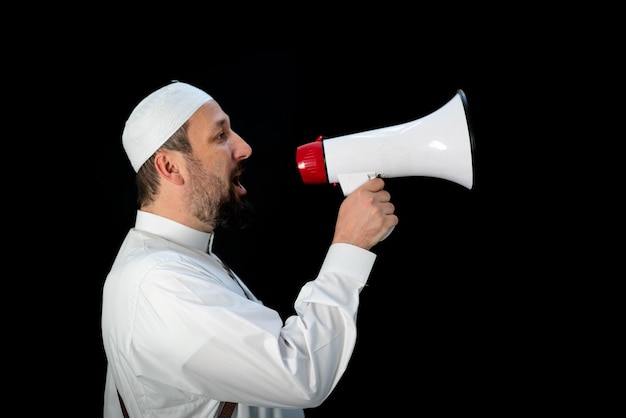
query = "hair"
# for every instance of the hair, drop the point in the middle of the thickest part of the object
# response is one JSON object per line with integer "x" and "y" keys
{"x": 147, "y": 179}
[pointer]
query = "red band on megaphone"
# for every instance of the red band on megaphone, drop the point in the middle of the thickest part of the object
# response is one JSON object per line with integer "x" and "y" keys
{"x": 311, "y": 163}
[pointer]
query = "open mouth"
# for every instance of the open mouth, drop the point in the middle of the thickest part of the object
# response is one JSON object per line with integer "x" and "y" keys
{"x": 237, "y": 183}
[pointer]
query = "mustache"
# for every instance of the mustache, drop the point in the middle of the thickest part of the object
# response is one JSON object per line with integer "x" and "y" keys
{"x": 240, "y": 167}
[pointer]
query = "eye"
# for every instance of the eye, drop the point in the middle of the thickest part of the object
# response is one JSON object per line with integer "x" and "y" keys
{"x": 221, "y": 137}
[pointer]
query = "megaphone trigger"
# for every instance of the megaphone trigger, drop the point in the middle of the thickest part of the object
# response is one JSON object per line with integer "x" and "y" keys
{"x": 350, "y": 181}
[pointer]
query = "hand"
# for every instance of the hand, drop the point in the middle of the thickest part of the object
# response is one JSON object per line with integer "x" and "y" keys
{"x": 366, "y": 215}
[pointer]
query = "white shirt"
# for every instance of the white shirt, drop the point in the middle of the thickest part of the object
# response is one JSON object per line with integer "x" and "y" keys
{"x": 180, "y": 335}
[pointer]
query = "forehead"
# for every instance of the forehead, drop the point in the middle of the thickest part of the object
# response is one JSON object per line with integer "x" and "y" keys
{"x": 209, "y": 111}
{"x": 208, "y": 117}
{"x": 207, "y": 122}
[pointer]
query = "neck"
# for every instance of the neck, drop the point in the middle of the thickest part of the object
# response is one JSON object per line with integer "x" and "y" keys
{"x": 178, "y": 214}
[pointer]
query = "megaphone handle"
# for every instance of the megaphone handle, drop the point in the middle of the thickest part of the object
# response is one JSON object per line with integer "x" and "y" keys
{"x": 387, "y": 234}
{"x": 351, "y": 181}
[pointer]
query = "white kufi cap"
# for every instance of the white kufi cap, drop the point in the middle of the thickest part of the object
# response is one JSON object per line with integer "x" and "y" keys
{"x": 157, "y": 117}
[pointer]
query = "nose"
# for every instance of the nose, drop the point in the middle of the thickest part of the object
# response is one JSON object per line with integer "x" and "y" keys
{"x": 242, "y": 149}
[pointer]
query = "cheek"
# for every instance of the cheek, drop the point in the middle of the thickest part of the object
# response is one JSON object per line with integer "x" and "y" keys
{"x": 216, "y": 159}
{"x": 219, "y": 165}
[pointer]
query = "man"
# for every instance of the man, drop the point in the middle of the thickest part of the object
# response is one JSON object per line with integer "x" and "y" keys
{"x": 183, "y": 335}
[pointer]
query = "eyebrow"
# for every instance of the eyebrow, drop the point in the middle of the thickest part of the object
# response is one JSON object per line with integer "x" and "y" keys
{"x": 218, "y": 126}
{"x": 220, "y": 122}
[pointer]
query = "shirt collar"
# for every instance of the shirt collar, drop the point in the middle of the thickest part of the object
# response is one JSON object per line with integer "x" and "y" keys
{"x": 174, "y": 231}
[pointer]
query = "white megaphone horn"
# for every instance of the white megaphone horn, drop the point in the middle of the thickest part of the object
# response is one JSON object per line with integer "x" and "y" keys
{"x": 439, "y": 145}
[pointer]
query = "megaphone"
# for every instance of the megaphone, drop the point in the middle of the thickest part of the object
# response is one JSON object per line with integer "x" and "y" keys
{"x": 440, "y": 144}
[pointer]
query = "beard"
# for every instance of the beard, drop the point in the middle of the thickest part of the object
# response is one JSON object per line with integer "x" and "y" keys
{"x": 234, "y": 212}
{"x": 214, "y": 207}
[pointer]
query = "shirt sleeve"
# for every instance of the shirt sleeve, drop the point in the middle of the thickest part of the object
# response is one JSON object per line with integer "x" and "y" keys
{"x": 202, "y": 337}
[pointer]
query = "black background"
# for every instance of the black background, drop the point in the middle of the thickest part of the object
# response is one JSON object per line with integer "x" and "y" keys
{"x": 453, "y": 318}
{"x": 431, "y": 323}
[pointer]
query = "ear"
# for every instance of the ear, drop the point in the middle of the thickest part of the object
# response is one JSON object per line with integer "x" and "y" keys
{"x": 169, "y": 165}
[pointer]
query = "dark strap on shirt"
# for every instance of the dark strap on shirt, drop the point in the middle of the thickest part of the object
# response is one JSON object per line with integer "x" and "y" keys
{"x": 226, "y": 412}
{"x": 124, "y": 411}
